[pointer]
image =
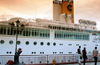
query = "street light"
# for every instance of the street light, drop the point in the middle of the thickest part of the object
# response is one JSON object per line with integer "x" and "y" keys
{"x": 17, "y": 30}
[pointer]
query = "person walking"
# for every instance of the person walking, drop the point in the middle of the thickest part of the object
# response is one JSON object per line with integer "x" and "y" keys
{"x": 84, "y": 52}
{"x": 95, "y": 54}
{"x": 79, "y": 55}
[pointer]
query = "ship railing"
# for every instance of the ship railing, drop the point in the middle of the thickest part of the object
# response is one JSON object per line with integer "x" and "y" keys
{"x": 46, "y": 59}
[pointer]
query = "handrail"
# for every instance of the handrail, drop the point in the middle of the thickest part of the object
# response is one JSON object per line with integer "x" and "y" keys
{"x": 46, "y": 58}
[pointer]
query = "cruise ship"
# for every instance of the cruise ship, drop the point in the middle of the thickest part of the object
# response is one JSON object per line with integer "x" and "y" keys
{"x": 58, "y": 36}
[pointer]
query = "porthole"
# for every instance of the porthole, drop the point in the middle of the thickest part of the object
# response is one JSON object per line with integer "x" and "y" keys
{"x": 27, "y": 42}
{"x": 41, "y": 52}
{"x": 54, "y": 52}
{"x": 10, "y": 52}
{"x": 2, "y": 42}
{"x": 41, "y": 43}
{"x": 61, "y": 44}
{"x": 70, "y": 52}
{"x": 48, "y": 43}
{"x": 35, "y": 43}
{"x": 60, "y": 52}
{"x": 7, "y": 52}
{"x": 33, "y": 52}
{"x": 18, "y": 42}
{"x": 84, "y": 44}
{"x": 31, "y": 61}
{"x": 96, "y": 45}
{"x": 89, "y": 52}
{"x": 77, "y": 44}
{"x": 69, "y": 44}
{"x": 10, "y": 42}
{"x": 54, "y": 44}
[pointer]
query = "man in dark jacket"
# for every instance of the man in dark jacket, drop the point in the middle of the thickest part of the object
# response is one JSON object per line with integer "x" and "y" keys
{"x": 18, "y": 54}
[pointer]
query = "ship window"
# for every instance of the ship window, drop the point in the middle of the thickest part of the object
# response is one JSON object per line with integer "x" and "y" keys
{"x": 48, "y": 43}
{"x": 8, "y": 31}
{"x": 14, "y": 32}
{"x": 26, "y": 32}
{"x": 35, "y": 43}
{"x": 41, "y": 52}
{"x": 5, "y": 30}
{"x": 96, "y": 45}
{"x": 60, "y": 52}
{"x": 89, "y": 52}
{"x": 18, "y": 42}
{"x": 10, "y": 42}
{"x": 1, "y": 31}
{"x": 70, "y": 44}
{"x": 54, "y": 52}
{"x": 60, "y": 44}
{"x": 77, "y": 44}
{"x": 42, "y": 43}
{"x": 84, "y": 45}
{"x": 2, "y": 41}
{"x": 33, "y": 52}
{"x": 23, "y": 32}
{"x": 33, "y": 33}
{"x": 10, "y": 52}
{"x": 7, "y": 52}
{"x": 71, "y": 35}
{"x": 27, "y": 42}
{"x": 54, "y": 44}
{"x": 70, "y": 52}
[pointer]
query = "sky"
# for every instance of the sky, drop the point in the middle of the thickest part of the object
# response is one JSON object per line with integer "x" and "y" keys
{"x": 83, "y": 9}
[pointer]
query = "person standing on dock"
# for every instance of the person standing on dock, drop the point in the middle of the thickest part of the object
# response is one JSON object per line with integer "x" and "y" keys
{"x": 95, "y": 54}
{"x": 79, "y": 55}
{"x": 84, "y": 52}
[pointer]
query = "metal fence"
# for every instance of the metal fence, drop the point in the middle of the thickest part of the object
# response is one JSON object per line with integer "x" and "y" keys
{"x": 45, "y": 59}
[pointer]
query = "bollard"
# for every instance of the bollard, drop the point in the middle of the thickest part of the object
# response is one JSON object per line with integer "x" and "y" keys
{"x": 54, "y": 61}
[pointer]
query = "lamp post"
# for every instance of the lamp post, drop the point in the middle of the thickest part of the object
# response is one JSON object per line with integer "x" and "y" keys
{"x": 18, "y": 25}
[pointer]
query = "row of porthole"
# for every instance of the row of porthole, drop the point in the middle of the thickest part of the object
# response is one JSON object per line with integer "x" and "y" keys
{"x": 8, "y": 52}
{"x": 27, "y": 43}
{"x": 43, "y": 52}
{"x": 35, "y": 43}
{"x": 35, "y": 52}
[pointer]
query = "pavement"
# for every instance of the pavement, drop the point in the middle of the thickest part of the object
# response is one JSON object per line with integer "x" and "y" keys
{"x": 89, "y": 63}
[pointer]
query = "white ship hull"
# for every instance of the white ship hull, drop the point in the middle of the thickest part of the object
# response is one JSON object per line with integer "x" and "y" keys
{"x": 62, "y": 46}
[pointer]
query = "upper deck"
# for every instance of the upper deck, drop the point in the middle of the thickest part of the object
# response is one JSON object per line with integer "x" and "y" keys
{"x": 43, "y": 28}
